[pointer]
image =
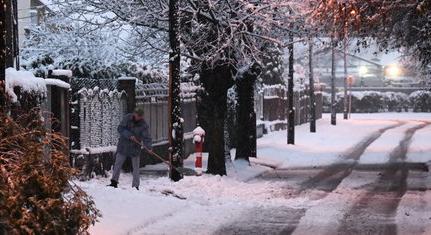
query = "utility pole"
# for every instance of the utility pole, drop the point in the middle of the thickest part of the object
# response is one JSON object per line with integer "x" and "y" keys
{"x": 291, "y": 108}
{"x": 175, "y": 121}
{"x": 311, "y": 88}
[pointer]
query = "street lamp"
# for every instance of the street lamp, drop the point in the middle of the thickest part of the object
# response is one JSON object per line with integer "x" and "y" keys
{"x": 363, "y": 70}
{"x": 393, "y": 71}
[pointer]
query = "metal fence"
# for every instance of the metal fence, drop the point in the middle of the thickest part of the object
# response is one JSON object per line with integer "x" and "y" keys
{"x": 271, "y": 103}
{"x": 97, "y": 112}
{"x": 154, "y": 100}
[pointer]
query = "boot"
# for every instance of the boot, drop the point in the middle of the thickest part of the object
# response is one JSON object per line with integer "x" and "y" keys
{"x": 113, "y": 184}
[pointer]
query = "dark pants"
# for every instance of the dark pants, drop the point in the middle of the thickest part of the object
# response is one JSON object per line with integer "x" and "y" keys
{"x": 119, "y": 160}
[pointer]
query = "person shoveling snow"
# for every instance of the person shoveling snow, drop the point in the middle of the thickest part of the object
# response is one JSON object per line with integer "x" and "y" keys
{"x": 134, "y": 131}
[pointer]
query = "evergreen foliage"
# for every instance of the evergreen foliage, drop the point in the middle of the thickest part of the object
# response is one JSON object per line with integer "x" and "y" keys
{"x": 36, "y": 192}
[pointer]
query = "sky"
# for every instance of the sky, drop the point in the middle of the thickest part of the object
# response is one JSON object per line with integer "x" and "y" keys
{"x": 391, "y": 57}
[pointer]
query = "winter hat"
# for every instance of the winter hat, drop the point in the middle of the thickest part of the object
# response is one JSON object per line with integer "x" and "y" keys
{"x": 139, "y": 110}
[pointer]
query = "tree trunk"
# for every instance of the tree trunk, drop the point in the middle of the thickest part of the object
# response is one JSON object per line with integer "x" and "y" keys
{"x": 211, "y": 114}
{"x": 3, "y": 32}
{"x": 345, "y": 113}
{"x": 291, "y": 108}
{"x": 10, "y": 45}
{"x": 246, "y": 117}
{"x": 175, "y": 121}
{"x": 15, "y": 33}
{"x": 3, "y": 8}
{"x": 333, "y": 108}
{"x": 311, "y": 89}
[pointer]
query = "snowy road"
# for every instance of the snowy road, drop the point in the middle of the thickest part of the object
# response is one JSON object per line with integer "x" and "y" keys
{"x": 368, "y": 175}
{"x": 369, "y": 194}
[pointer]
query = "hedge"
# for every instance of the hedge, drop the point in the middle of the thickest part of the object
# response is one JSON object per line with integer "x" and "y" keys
{"x": 374, "y": 101}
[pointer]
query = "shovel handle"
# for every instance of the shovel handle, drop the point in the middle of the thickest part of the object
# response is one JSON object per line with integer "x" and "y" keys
{"x": 154, "y": 154}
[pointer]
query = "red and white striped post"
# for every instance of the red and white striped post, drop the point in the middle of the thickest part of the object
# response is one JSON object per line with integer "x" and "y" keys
{"x": 198, "y": 140}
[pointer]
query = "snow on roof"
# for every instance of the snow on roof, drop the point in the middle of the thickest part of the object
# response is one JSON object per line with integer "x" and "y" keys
{"x": 24, "y": 79}
{"x": 57, "y": 82}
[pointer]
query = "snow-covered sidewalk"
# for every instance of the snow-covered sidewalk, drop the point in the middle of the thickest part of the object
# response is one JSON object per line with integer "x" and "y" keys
{"x": 202, "y": 205}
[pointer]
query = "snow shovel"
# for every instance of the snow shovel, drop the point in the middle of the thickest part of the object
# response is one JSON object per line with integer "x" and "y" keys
{"x": 181, "y": 170}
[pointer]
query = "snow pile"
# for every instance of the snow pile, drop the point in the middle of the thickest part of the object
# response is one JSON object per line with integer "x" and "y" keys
{"x": 24, "y": 79}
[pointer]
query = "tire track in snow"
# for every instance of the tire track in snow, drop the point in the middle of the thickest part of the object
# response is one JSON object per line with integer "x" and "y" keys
{"x": 287, "y": 224}
{"x": 375, "y": 211}
{"x": 328, "y": 179}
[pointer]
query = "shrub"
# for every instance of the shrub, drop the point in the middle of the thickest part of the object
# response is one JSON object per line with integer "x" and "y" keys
{"x": 395, "y": 101}
{"x": 372, "y": 101}
{"x": 420, "y": 101}
{"x": 36, "y": 192}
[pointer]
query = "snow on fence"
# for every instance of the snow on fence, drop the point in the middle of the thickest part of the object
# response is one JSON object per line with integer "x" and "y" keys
{"x": 100, "y": 111}
{"x": 96, "y": 112}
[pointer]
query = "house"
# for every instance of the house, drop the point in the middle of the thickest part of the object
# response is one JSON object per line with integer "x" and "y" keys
{"x": 368, "y": 66}
{"x": 365, "y": 72}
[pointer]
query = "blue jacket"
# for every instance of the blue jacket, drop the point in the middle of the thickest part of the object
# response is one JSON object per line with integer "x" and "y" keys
{"x": 128, "y": 128}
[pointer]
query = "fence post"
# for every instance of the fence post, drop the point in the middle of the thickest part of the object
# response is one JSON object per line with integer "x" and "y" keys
{"x": 60, "y": 104}
{"x": 128, "y": 84}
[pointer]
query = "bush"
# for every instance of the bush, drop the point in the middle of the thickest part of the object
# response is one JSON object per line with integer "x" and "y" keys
{"x": 340, "y": 102}
{"x": 372, "y": 101}
{"x": 87, "y": 68}
{"x": 396, "y": 102}
{"x": 420, "y": 101}
{"x": 36, "y": 192}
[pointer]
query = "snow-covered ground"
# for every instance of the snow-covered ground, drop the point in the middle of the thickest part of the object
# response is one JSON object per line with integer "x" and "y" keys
{"x": 201, "y": 205}
{"x": 323, "y": 147}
